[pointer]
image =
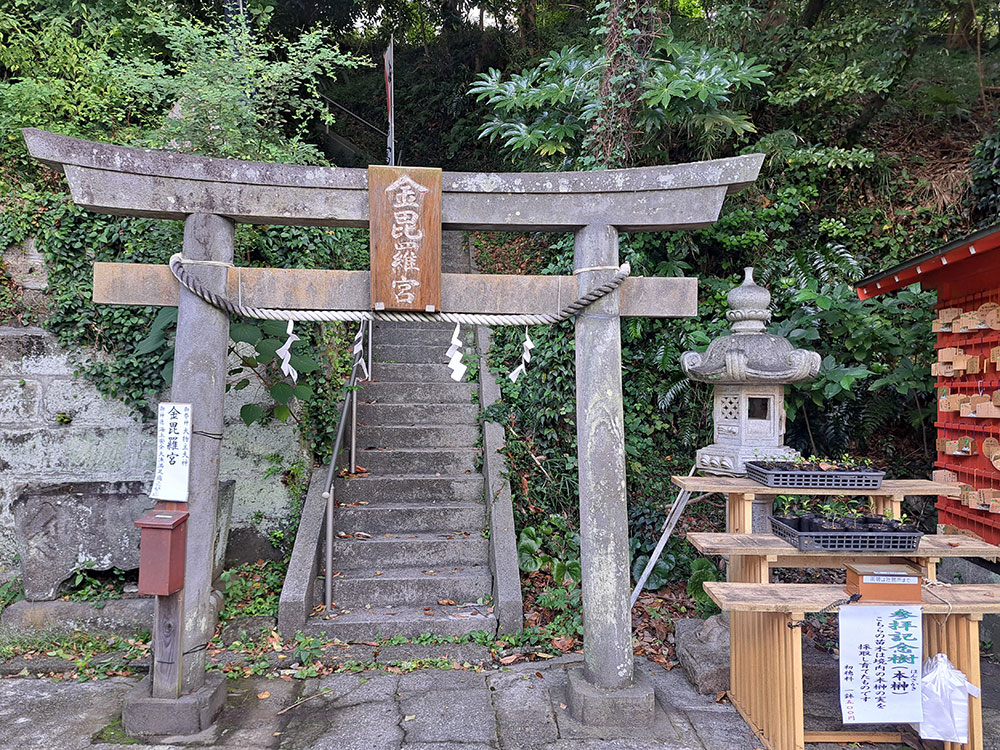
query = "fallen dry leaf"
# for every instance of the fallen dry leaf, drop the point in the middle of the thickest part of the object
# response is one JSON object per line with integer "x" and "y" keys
{"x": 445, "y": 602}
{"x": 564, "y": 643}
{"x": 511, "y": 658}
{"x": 264, "y": 696}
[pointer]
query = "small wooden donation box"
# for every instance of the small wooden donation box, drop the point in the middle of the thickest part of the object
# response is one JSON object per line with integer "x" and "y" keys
{"x": 884, "y": 583}
{"x": 161, "y": 551}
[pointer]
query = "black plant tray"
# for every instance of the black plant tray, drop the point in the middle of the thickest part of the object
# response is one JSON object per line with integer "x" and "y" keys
{"x": 840, "y": 480}
{"x": 858, "y": 541}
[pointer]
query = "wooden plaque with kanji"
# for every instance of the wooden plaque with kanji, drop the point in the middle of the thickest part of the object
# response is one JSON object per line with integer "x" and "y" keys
{"x": 404, "y": 206}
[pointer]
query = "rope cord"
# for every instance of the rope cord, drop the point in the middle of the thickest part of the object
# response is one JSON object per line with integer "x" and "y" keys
{"x": 839, "y": 603}
{"x": 222, "y": 302}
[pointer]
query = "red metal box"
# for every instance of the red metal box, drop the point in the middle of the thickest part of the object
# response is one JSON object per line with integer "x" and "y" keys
{"x": 161, "y": 551}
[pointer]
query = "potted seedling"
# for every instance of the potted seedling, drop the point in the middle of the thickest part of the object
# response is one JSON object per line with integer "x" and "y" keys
{"x": 784, "y": 511}
{"x": 845, "y": 473}
{"x": 843, "y": 524}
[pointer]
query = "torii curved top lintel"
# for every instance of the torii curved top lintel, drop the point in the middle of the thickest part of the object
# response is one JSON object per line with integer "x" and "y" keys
{"x": 170, "y": 185}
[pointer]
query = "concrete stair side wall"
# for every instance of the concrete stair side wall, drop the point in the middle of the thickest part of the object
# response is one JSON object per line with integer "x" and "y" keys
{"x": 508, "y": 602}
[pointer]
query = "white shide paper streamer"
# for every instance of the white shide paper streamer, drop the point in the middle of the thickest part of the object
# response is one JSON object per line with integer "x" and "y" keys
{"x": 454, "y": 355}
{"x": 527, "y": 346}
{"x": 285, "y": 352}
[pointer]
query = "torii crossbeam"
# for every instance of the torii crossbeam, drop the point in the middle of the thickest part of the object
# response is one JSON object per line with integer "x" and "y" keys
{"x": 210, "y": 195}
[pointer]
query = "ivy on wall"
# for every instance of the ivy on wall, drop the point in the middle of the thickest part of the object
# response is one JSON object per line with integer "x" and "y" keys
{"x": 133, "y": 346}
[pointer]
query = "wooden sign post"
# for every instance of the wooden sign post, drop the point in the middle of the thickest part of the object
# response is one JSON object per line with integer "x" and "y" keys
{"x": 212, "y": 194}
{"x": 404, "y": 204}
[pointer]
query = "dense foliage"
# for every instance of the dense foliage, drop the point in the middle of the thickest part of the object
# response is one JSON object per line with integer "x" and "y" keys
{"x": 873, "y": 118}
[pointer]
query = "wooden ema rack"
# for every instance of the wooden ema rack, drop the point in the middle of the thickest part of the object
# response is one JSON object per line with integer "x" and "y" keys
{"x": 766, "y": 654}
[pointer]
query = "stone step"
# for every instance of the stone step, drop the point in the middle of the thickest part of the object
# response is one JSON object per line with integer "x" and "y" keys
{"x": 411, "y": 586}
{"x": 419, "y": 461}
{"x": 427, "y": 355}
{"x": 398, "y": 518}
{"x": 384, "y": 326}
{"x": 409, "y": 622}
{"x": 435, "y": 550}
{"x": 411, "y": 373}
{"x": 416, "y": 393}
{"x": 417, "y": 436}
{"x": 417, "y": 414}
{"x": 435, "y": 339}
{"x": 424, "y": 490}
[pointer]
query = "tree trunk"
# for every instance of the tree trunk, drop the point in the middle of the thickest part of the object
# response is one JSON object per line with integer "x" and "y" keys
{"x": 814, "y": 9}
{"x": 962, "y": 23}
{"x": 878, "y": 101}
{"x": 527, "y": 26}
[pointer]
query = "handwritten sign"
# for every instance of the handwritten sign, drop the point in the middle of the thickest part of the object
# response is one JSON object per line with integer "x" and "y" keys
{"x": 173, "y": 452}
{"x": 881, "y": 652}
{"x": 404, "y": 206}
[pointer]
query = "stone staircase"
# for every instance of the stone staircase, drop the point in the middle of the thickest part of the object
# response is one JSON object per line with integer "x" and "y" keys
{"x": 411, "y": 529}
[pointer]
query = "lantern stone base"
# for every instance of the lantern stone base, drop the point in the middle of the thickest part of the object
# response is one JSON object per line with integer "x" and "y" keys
{"x": 731, "y": 460}
{"x": 146, "y": 716}
{"x": 630, "y": 706}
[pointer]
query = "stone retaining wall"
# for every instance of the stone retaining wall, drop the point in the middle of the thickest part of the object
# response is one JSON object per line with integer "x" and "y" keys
{"x": 56, "y": 427}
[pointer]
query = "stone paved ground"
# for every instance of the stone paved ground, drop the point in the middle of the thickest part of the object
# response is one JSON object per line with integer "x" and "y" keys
{"x": 508, "y": 709}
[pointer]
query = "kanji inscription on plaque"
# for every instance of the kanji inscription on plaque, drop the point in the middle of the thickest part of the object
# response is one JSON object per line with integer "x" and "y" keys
{"x": 404, "y": 206}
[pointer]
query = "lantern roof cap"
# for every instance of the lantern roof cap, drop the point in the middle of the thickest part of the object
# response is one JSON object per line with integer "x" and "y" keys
{"x": 748, "y": 354}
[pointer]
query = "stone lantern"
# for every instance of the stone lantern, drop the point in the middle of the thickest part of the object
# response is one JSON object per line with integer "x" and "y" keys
{"x": 749, "y": 369}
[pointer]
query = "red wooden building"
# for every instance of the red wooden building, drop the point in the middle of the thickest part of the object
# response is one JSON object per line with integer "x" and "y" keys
{"x": 966, "y": 275}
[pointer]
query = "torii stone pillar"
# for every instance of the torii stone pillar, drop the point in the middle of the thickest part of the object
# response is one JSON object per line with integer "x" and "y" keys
{"x": 211, "y": 194}
{"x": 200, "y": 379}
{"x": 600, "y": 436}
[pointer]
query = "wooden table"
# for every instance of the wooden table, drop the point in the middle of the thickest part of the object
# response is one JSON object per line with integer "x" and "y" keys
{"x": 766, "y": 654}
{"x": 753, "y": 555}
{"x": 742, "y": 491}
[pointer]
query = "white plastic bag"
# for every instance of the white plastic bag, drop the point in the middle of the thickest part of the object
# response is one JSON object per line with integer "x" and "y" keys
{"x": 945, "y": 695}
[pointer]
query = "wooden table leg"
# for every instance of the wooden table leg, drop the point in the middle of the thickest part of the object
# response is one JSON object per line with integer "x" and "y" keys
{"x": 748, "y": 569}
{"x": 766, "y": 676}
{"x": 958, "y": 637}
{"x": 883, "y": 504}
{"x": 740, "y": 513}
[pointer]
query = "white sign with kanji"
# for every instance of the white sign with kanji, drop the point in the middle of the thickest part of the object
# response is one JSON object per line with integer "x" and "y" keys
{"x": 881, "y": 652}
{"x": 173, "y": 452}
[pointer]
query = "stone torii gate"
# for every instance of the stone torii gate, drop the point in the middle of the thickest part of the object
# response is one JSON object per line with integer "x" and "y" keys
{"x": 211, "y": 195}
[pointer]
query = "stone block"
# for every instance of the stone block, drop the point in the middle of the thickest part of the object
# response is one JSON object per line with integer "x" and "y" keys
{"x": 632, "y": 706}
{"x": 145, "y": 716}
{"x": 223, "y": 520}
{"x": 26, "y": 265}
{"x": 65, "y": 451}
{"x": 961, "y": 570}
{"x": 30, "y": 351}
{"x": 119, "y": 616}
{"x": 60, "y": 527}
{"x": 64, "y": 526}
{"x": 80, "y": 401}
{"x": 19, "y": 400}
{"x": 440, "y": 718}
{"x": 702, "y": 648}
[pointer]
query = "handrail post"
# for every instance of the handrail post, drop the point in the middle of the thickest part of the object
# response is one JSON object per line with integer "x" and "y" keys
{"x": 350, "y": 402}
{"x": 354, "y": 431}
{"x": 371, "y": 335}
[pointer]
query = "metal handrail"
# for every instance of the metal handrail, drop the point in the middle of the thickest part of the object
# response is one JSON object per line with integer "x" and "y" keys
{"x": 350, "y": 402}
